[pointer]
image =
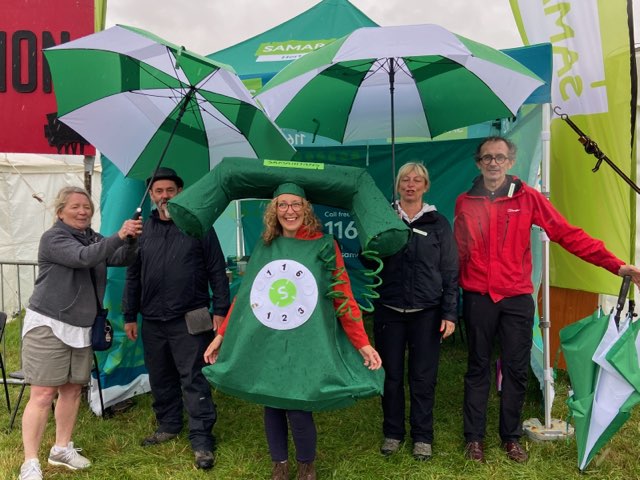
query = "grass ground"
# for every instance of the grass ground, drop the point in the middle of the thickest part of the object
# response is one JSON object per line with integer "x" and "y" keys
{"x": 347, "y": 448}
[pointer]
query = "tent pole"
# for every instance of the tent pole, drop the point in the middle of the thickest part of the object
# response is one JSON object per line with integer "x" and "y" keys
{"x": 239, "y": 232}
{"x": 553, "y": 429}
{"x": 546, "y": 315}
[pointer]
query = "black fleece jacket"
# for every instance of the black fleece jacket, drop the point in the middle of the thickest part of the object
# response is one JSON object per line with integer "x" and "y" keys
{"x": 424, "y": 273}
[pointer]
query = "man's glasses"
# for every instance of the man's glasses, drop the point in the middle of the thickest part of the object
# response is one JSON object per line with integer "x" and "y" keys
{"x": 486, "y": 159}
{"x": 284, "y": 206}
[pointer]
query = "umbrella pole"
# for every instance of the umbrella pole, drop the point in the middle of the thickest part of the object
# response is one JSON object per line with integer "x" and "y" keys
{"x": 552, "y": 429}
{"x": 392, "y": 76}
{"x": 183, "y": 108}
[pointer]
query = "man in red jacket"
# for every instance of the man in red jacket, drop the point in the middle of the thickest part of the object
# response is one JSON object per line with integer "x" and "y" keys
{"x": 492, "y": 228}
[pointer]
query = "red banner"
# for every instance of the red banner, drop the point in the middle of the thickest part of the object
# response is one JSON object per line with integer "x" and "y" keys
{"x": 27, "y": 103}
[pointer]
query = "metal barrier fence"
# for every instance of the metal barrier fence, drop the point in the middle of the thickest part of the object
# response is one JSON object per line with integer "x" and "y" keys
{"x": 16, "y": 285}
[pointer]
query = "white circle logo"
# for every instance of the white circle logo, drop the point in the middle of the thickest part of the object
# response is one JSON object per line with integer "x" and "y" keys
{"x": 283, "y": 295}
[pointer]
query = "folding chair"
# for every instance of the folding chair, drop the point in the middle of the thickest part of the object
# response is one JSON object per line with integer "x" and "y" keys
{"x": 3, "y": 323}
{"x": 20, "y": 377}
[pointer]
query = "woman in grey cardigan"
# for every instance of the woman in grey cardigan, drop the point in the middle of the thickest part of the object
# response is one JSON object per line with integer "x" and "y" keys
{"x": 56, "y": 338}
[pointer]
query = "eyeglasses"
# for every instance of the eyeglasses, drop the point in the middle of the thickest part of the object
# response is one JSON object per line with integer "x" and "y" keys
{"x": 284, "y": 206}
{"x": 486, "y": 159}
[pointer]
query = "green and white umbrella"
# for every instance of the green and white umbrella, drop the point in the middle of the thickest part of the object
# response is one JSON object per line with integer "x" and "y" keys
{"x": 401, "y": 81}
{"x": 603, "y": 367}
{"x": 143, "y": 101}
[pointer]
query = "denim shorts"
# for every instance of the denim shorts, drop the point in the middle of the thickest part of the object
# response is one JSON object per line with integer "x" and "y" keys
{"x": 49, "y": 362}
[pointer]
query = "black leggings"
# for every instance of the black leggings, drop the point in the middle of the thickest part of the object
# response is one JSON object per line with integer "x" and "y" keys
{"x": 303, "y": 431}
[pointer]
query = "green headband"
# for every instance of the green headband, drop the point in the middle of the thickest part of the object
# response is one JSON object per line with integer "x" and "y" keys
{"x": 290, "y": 188}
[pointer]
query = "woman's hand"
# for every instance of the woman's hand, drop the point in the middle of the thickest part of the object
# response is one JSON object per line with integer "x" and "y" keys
{"x": 371, "y": 358}
{"x": 130, "y": 229}
{"x": 447, "y": 327}
{"x": 211, "y": 354}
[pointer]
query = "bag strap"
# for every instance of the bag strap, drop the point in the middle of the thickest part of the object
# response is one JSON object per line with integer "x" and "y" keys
{"x": 92, "y": 272}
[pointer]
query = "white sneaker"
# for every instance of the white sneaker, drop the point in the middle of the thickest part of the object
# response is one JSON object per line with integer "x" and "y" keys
{"x": 68, "y": 457}
{"x": 30, "y": 470}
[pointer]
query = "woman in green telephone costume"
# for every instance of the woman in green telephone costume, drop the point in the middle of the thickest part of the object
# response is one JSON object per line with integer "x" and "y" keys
{"x": 283, "y": 347}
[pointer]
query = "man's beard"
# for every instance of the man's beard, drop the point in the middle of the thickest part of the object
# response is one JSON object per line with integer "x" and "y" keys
{"x": 163, "y": 208}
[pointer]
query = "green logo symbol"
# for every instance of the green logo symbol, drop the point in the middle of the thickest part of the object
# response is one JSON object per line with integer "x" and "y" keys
{"x": 282, "y": 292}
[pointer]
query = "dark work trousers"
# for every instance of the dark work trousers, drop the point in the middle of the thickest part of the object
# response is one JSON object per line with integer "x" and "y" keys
{"x": 174, "y": 360}
{"x": 419, "y": 332}
{"x": 511, "y": 321}
{"x": 303, "y": 431}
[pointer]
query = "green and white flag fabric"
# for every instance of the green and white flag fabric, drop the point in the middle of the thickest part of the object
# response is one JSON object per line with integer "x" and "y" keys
{"x": 593, "y": 83}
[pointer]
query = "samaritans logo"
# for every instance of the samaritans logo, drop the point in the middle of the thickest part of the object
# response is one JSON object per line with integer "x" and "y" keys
{"x": 284, "y": 294}
{"x": 289, "y": 50}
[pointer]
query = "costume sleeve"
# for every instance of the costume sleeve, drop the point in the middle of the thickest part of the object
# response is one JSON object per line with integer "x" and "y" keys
{"x": 351, "y": 318}
{"x": 570, "y": 237}
{"x": 223, "y": 328}
{"x": 448, "y": 272}
{"x": 218, "y": 280}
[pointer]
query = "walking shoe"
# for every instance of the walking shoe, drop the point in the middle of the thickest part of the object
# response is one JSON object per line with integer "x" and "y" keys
{"x": 204, "y": 459}
{"x": 280, "y": 471}
{"x": 515, "y": 451}
{"x": 422, "y": 451}
{"x": 30, "y": 470}
{"x": 69, "y": 457}
{"x": 158, "y": 437}
{"x": 474, "y": 451}
{"x": 306, "y": 471}
{"x": 389, "y": 446}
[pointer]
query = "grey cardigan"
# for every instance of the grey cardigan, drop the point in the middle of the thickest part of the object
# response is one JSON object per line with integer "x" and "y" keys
{"x": 64, "y": 290}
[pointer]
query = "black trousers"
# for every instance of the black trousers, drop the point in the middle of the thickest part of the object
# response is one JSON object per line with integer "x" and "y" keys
{"x": 419, "y": 333}
{"x": 510, "y": 321}
{"x": 173, "y": 358}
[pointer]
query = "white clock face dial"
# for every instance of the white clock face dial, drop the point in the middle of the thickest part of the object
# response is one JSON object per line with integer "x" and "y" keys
{"x": 284, "y": 294}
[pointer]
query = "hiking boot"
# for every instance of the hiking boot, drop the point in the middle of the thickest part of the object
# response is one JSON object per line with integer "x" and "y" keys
{"x": 280, "y": 471}
{"x": 474, "y": 451}
{"x": 422, "y": 451}
{"x": 158, "y": 437}
{"x": 515, "y": 451}
{"x": 69, "y": 457}
{"x": 30, "y": 470}
{"x": 204, "y": 459}
{"x": 389, "y": 446}
{"x": 306, "y": 471}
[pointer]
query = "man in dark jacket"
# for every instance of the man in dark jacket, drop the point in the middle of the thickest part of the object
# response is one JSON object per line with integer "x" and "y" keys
{"x": 169, "y": 285}
{"x": 493, "y": 229}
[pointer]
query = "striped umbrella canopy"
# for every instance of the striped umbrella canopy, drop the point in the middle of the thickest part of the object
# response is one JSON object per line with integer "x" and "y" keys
{"x": 143, "y": 101}
{"x": 400, "y": 81}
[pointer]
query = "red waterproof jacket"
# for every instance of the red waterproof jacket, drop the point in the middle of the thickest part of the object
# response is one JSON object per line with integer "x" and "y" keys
{"x": 494, "y": 239}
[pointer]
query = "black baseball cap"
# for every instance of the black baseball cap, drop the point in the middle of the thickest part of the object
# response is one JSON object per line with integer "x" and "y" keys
{"x": 165, "y": 173}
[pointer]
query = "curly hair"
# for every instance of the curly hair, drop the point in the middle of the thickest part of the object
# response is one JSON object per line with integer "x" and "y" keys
{"x": 272, "y": 227}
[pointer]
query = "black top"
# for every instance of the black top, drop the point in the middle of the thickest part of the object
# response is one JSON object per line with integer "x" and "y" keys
{"x": 173, "y": 273}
